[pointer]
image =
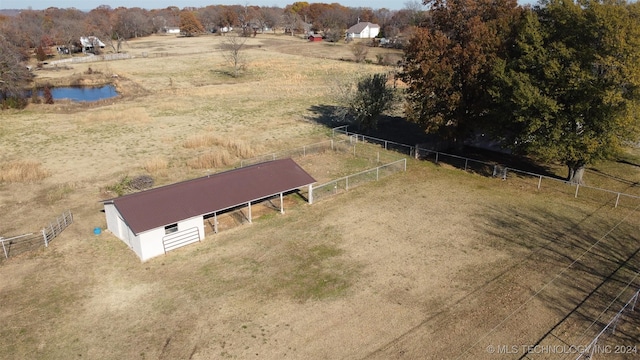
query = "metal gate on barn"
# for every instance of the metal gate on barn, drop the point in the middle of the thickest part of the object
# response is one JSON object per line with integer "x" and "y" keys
{"x": 180, "y": 238}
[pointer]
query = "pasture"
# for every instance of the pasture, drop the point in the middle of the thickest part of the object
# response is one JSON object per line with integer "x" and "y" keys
{"x": 432, "y": 263}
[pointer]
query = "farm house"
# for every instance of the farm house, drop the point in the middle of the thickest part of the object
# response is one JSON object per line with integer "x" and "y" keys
{"x": 155, "y": 221}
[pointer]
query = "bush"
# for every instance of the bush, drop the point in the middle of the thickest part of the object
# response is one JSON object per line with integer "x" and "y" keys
{"x": 46, "y": 93}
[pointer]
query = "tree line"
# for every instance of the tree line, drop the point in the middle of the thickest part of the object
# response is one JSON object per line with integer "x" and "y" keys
{"x": 559, "y": 81}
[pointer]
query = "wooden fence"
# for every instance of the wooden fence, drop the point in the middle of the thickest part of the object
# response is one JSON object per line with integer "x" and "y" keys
{"x": 16, "y": 245}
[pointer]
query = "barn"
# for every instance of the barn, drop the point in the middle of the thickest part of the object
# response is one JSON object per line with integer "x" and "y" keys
{"x": 314, "y": 38}
{"x": 158, "y": 220}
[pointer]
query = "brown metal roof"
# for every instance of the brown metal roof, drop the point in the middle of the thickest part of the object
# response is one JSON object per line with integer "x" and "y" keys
{"x": 169, "y": 204}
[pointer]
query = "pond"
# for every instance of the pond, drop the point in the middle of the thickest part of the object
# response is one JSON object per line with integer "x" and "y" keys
{"x": 83, "y": 93}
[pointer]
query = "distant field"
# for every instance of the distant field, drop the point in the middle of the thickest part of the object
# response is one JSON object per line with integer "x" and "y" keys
{"x": 431, "y": 263}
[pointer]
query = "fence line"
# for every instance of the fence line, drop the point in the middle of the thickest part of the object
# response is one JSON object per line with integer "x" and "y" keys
{"x": 92, "y": 58}
{"x": 481, "y": 167}
{"x": 337, "y": 186}
{"x": 22, "y": 243}
{"x": 299, "y": 151}
{"x": 593, "y": 348}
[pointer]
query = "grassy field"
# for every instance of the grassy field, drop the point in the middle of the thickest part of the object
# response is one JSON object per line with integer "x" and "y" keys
{"x": 432, "y": 263}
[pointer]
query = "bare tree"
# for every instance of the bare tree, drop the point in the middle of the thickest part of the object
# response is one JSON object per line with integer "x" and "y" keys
{"x": 233, "y": 48}
{"x": 360, "y": 51}
{"x": 14, "y": 75}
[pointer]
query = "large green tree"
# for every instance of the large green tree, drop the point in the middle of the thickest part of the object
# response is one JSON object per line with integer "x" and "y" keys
{"x": 569, "y": 90}
{"x": 448, "y": 64}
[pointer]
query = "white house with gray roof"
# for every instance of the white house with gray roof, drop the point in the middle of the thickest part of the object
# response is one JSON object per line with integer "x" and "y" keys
{"x": 363, "y": 30}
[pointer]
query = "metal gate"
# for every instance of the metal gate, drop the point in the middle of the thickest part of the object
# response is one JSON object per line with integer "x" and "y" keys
{"x": 180, "y": 239}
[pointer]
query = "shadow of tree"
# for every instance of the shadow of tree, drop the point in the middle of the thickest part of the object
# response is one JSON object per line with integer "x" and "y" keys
{"x": 587, "y": 268}
{"x": 400, "y": 130}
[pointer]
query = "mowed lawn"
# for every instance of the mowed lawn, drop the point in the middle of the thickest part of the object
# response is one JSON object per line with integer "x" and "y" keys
{"x": 431, "y": 263}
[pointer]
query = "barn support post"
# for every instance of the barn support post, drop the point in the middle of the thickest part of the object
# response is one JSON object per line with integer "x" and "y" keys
{"x": 215, "y": 222}
{"x": 436, "y": 157}
{"x": 281, "y": 204}
{"x": 310, "y": 193}
{"x": 539, "y": 182}
{"x": 577, "y": 188}
{"x": 249, "y": 203}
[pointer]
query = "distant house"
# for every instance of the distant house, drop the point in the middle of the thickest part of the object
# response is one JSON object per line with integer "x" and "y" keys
{"x": 315, "y": 37}
{"x": 363, "y": 30}
{"x": 89, "y": 43}
{"x": 172, "y": 30}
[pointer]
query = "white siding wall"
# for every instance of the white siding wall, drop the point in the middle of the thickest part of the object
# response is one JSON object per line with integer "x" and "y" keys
{"x": 195, "y": 222}
{"x": 119, "y": 228}
{"x": 151, "y": 243}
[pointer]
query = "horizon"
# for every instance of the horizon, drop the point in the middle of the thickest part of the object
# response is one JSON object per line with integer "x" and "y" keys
{"x": 83, "y": 5}
{"x": 87, "y": 5}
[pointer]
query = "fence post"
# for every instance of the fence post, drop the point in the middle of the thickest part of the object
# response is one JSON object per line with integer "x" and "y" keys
{"x": 385, "y": 144}
{"x": 310, "y": 193}
{"x": 495, "y": 170}
{"x": 504, "y": 173}
{"x": 44, "y": 234}
{"x": 405, "y": 164}
{"x": 437, "y": 157}
{"x": 4, "y": 248}
{"x": 617, "y": 200}
{"x": 577, "y": 187}
{"x": 466, "y": 161}
{"x": 539, "y": 182}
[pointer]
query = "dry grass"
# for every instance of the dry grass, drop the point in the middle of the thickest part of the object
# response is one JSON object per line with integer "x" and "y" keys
{"x": 21, "y": 171}
{"x": 234, "y": 147}
{"x": 211, "y": 160}
{"x": 156, "y": 165}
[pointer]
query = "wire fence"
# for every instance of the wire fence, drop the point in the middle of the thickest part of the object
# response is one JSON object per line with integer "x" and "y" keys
{"x": 484, "y": 168}
{"x": 337, "y": 186}
{"x": 600, "y": 344}
{"x": 16, "y": 245}
{"x": 320, "y": 147}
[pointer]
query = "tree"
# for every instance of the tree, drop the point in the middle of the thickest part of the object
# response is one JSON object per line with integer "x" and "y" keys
{"x": 233, "y": 48}
{"x": 360, "y": 51}
{"x": 448, "y": 63}
{"x": 14, "y": 75}
{"x": 572, "y": 83}
{"x": 189, "y": 24}
{"x": 362, "y": 99}
{"x": 372, "y": 99}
